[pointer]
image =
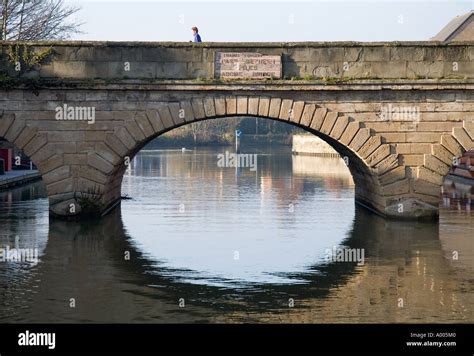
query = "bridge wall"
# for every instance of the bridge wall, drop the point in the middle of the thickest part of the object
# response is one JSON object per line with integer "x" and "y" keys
{"x": 303, "y": 60}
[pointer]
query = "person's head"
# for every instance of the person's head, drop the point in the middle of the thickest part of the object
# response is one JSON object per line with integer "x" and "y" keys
{"x": 195, "y": 30}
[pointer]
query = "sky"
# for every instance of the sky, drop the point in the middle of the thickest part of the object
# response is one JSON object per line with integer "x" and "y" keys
{"x": 265, "y": 20}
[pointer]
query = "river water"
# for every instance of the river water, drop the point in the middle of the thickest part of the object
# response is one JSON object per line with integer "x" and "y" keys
{"x": 202, "y": 243}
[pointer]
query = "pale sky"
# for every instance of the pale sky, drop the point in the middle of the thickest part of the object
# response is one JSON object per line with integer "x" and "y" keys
{"x": 265, "y": 20}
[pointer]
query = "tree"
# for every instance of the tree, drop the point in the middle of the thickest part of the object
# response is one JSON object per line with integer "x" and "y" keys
{"x": 37, "y": 20}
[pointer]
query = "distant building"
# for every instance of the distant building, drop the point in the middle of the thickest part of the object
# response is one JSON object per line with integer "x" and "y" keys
{"x": 461, "y": 28}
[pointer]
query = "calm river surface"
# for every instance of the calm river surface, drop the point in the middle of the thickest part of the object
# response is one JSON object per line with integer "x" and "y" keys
{"x": 200, "y": 243}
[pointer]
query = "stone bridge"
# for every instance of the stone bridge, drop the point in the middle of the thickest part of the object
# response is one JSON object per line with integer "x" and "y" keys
{"x": 401, "y": 113}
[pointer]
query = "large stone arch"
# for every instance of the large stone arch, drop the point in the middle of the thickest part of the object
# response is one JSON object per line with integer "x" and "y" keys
{"x": 373, "y": 163}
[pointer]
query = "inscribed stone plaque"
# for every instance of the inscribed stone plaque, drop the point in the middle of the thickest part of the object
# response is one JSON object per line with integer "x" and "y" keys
{"x": 247, "y": 65}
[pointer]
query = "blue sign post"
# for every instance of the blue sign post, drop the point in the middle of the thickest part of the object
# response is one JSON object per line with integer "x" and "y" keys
{"x": 238, "y": 133}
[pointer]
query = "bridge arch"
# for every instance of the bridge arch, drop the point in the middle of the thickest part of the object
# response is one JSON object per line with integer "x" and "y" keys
{"x": 369, "y": 158}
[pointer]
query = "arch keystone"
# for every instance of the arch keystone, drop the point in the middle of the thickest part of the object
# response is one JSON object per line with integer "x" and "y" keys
{"x": 242, "y": 105}
{"x": 253, "y": 106}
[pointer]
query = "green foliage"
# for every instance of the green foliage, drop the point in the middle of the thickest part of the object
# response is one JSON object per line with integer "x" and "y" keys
{"x": 27, "y": 57}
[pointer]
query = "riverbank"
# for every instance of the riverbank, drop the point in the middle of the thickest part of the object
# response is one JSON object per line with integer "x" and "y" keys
{"x": 13, "y": 179}
{"x": 188, "y": 141}
{"x": 311, "y": 145}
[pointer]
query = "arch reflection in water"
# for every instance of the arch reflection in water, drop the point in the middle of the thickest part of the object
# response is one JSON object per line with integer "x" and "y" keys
{"x": 219, "y": 227}
{"x": 87, "y": 262}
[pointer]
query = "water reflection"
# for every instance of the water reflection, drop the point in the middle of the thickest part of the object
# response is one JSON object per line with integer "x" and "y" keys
{"x": 189, "y": 255}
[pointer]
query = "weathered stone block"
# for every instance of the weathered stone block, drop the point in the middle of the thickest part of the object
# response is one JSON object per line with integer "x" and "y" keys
{"x": 93, "y": 175}
{"x": 56, "y": 175}
{"x": 328, "y": 123}
{"x": 429, "y": 176}
{"x": 463, "y": 138}
{"x": 396, "y": 188}
{"x": 359, "y": 139}
{"x": 209, "y": 107}
{"x": 108, "y": 154}
{"x": 35, "y": 144}
{"x": 376, "y": 54}
{"x": 253, "y": 106}
{"x": 62, "y": 187}
{"x": 124, "y": 136}
{"x": 285, "y": 109}
{"x": 387, "y": 164}
{"x": 393, "y": 175}
{"x": 6, "y": 121}
{"x": 219, "y": 102}
{"x": 415, "y": 54}
{"x": 378, "y": 155}
{"x": 412, "y": 160}
{"x": 339, "y": 127}
{"x": 155, "y": 120}
{"x": 442, "y": 154}
{"x": 231, "y": 105}
{"x": 242, "y": 105}
{"x": 96, "y": 161}
{"x": 318, "y": 118}
{"x": 198, "y": 108}
{"x": 15, "y": 129}
{"x": 386, "y": 69}
{"x": 435, "y": 165}
{"x": 349, "y": 133}
{"x": 452, "y": 145}
{"x": 74, "y": 159}
{"x": 370, "y": 146}
{"x": 176, "y": 115}
{"x": 25, "y": 137}
{"x": 274, "y": 110}
{"x": 469, "y": 126}
{"x": 307, "y": 115}
{"x": 296, "y": 111}
{"x": 143, "y": 123}
{"x": 165, "y": 115}
{"x": 187, "y": 108}
{"x": 424, "y": 187}
{"x": 424, "y": 70}
{"x": 51, "y": 163}
{"x": 263, "y": 106}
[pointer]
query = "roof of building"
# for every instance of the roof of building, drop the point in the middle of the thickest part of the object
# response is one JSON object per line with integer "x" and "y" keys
{"x": 449, "y": 30}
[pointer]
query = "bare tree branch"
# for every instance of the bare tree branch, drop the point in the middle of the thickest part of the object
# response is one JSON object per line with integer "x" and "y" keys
{"x": 37, "y": 20}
